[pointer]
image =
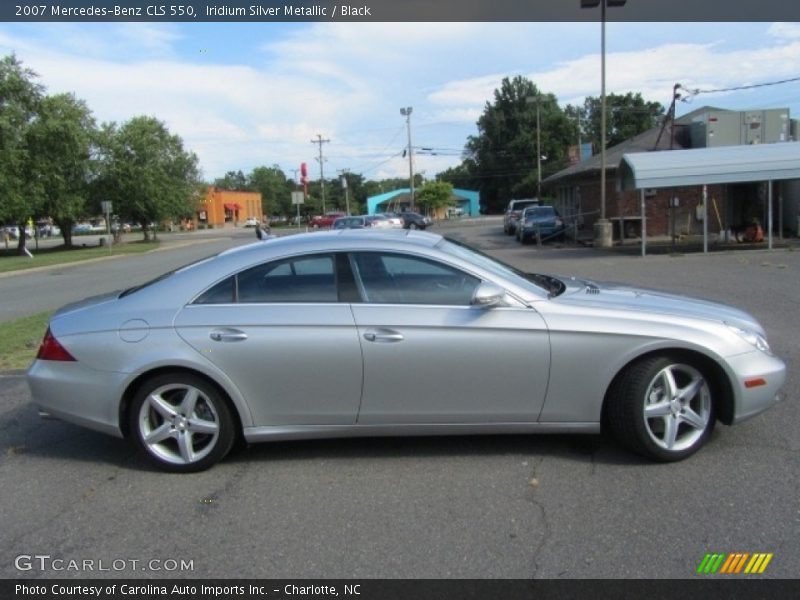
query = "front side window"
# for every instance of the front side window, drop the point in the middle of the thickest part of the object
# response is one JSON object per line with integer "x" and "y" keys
{"x": 388, "y": 278}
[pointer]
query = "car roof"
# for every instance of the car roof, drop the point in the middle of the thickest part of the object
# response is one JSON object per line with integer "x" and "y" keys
{"x": 185, "y": 282}
{"x": 333, "y": 240}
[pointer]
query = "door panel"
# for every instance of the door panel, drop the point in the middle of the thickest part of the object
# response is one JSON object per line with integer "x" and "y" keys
{"x": 451, "y": 364}
{"x": 296, "y": 364}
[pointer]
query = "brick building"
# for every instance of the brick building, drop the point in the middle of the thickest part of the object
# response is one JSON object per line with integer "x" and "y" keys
{"x": 576, "y": 189}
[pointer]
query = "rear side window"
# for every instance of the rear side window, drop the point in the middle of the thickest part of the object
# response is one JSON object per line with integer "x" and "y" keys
{"x": 302, "y": 279}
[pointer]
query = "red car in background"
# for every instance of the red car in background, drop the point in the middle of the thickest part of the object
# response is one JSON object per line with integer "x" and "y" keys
{"x": 326, "y": 220}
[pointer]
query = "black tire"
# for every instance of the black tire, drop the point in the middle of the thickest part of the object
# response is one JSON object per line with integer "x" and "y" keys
{"x": 662, "y": 408}
{"x": 181, "y": 422}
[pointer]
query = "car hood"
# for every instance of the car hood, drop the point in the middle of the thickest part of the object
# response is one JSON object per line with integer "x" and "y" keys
{"x": 616, "y": 296}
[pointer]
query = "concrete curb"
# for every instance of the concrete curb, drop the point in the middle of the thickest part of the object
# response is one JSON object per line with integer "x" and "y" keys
{"x": 88, "y": 261}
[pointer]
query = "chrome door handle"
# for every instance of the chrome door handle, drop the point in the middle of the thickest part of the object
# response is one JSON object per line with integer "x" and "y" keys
{"x": 383, "y": 336}
{"x": 229, "y": 335}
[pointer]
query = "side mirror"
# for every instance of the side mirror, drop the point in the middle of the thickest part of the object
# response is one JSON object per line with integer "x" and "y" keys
{"x": 488, "y": 295}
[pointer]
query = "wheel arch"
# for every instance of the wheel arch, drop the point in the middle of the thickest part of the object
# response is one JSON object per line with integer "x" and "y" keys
{"x": 136, "y": 384}
{"x": 722, "y": 391}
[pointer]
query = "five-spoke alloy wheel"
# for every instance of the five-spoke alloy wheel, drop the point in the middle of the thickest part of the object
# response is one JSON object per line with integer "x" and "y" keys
{"x": 662, "y": 408}
{"x": 181, "y": 422}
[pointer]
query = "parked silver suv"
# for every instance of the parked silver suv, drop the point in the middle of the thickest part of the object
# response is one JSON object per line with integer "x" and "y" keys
{"x": 514, "y": 212}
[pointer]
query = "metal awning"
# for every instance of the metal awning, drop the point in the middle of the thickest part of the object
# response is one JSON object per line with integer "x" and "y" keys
{"x": 706, "y": 166}
{"x": 232, "y": 206}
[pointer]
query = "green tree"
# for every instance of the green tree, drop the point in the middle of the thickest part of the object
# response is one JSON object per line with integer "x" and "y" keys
{"x": 60, "y": 143}
{"x": 146, "y": 172}
{"x": 627, "y": 115}
{"x": 460, "y": 176}
{"x": 434, "y": 195}
{"x": 274, "y": 187}
{"x": 20, "y": 96}
{"x": 503, "y": 154}
{"x": 234, "y": 181}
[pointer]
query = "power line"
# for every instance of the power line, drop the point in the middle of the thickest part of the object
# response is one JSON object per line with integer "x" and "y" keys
{"x": 695, "y": 92}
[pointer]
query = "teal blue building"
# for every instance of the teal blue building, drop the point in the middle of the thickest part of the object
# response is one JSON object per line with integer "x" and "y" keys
{"x": 467, "y": 200}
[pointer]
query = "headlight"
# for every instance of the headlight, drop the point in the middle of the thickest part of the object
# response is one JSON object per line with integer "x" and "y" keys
{"x": 751, "y": 337}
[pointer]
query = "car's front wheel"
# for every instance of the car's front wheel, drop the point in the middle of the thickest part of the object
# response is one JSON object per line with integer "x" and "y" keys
{"x": 662, "y": 408}
{"x": 181, "y": 422}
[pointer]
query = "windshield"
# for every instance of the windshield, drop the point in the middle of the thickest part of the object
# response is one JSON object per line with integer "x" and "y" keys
{"x": 537, "y": 212}
{"x": 531, "y": 281}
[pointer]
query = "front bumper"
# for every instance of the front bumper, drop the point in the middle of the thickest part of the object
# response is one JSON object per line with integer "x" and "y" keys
{"x": 758, "y": 379}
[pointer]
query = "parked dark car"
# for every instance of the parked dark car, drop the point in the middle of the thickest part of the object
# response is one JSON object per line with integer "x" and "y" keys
{"x": 514, "y": 212}
{"x": 540, "y": 221}
{"x": 412, "y": 220}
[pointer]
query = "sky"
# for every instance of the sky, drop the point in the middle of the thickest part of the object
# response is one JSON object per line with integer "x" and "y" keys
{"x": 242, "y": 95}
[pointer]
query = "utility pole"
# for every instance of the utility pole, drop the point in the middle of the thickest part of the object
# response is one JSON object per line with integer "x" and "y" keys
{"x": 321, "y": 160}
{"x": 406, "y": 112}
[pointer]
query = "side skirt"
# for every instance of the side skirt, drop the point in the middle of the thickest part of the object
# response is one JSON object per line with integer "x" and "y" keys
{"x": 308, "y": 432}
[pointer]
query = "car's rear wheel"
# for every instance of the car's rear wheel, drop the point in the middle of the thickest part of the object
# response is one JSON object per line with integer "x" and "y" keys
{"x": 181, "y": 422}
{"x": 662, "y": 408}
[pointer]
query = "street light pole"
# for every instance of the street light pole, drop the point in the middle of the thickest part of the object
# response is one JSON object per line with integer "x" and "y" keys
{"x": 406, "y": 112}
{"x": 538, "y": 153}
{"x": 602, "y": 228}
{"x": 603, "y": 123}
{"x": 538, "y": 100}
{"x": 343, "y": 173}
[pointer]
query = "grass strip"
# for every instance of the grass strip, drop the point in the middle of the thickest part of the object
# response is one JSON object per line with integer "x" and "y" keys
{"x": 20, "y": 340}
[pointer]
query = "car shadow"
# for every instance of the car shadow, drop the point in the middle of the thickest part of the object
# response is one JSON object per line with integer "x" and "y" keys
{"x": 590, "y": 449}
{"x": 24, "y": 433}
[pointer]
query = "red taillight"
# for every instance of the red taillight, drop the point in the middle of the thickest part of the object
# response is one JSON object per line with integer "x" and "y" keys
{"x": 51, "y": 349}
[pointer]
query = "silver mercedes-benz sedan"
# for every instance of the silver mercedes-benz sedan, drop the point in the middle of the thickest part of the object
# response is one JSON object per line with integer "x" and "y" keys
{"x": 314, "y": 336}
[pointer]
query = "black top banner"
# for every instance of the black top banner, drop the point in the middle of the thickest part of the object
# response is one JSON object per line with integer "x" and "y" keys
{"x": 398, "y": 10}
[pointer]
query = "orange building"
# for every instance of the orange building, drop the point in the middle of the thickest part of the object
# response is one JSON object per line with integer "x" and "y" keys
{"x": 224, "y": 208}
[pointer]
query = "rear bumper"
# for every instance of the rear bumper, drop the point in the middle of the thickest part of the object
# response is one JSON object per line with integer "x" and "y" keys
{"x": 543, "y": 229}
{"x": 71, "y": 392}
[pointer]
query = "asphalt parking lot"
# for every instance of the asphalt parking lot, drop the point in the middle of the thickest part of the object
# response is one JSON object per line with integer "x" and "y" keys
{"x": 466, "y": 507}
